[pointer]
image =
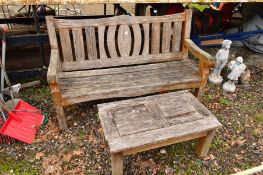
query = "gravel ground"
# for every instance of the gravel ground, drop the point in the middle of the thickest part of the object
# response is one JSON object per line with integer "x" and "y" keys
{"x": 238, "y": 145}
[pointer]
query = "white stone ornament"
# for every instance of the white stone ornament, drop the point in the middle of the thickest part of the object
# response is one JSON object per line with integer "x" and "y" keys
{"x": 237, "y": 68}
{"x": 221, "y": 60}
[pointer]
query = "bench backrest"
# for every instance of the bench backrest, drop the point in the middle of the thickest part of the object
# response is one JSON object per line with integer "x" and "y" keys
{"x": 119, "y": 41}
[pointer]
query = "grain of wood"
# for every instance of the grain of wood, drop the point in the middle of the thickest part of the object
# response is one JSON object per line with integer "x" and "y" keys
{"x": 124, "y": 40}
{"x": 124, "y": 86}
{"x": 117, "y": 163}
{"x": 131, "y": 92}
{"x": 126, "y": 69}
{"x": 78, "y": 44}
{"x": 111, "y": 130}
{"x": 166, "y": 37}
{"x": 66, "y": 45}
{"x": 51, "y": 32}
{"x": 91, "y": 43}
{"x": 56, "y": 96}
{"x": 124, "y": 79}
{"x": 137, "y": 39}
{"x": 204, "y": 143}
{"x": 146, "y": 39}
{"x": 186, "y": 31}
{"x": 132, "y": 76}
{"x": 117, "y": 20}
{"x": 155, "y": 38}
{"x": 121, "y": 61}
{"x": 54, "y": 67}
{"x": 177, "y": 36}
{"x": 111, "y": 43}
{"x": 101, "y": 33}
{"x": 156, "y": 131}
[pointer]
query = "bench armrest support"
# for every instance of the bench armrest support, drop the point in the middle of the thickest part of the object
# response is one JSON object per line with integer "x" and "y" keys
{"x": 205, "y": 62}
{"x": 203, "y": 56}
{"x": 54, "y": 67}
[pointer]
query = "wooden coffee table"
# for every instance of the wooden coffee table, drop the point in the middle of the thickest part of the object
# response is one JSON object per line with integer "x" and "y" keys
{"x": 141, "y": 124}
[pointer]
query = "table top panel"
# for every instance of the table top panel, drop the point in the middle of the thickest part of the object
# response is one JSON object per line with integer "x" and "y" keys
{"x": 136, "y": 122}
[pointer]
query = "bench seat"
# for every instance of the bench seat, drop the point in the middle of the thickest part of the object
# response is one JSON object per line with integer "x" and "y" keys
{"x": 80, "y": 86}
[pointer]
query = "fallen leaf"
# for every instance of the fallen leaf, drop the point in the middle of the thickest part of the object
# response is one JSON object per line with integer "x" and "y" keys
{"x": 206, "y": 158}
{"x": 236, "y": 170}
{"x": 39, "y": 155}
{"x": 238, "y": 157}
{"x": 77, "y": 152}
{"x": 77, "y": 170}
{"x": 50, "y": 169}
{"x": 67, "y": 156}
{"x": 212, "y": 156}
{"x": 241, "y": 142}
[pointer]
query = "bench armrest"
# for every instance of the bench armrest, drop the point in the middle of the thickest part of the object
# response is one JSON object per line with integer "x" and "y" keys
{"x": 203, "y": 56}
{"x": 54, "y": 67}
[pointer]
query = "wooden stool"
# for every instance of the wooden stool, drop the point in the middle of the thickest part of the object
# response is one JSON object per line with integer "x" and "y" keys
{"x": 141, "y": 124}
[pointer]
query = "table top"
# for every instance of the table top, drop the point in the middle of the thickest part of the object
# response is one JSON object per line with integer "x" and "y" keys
{"x": 132, "y": 123}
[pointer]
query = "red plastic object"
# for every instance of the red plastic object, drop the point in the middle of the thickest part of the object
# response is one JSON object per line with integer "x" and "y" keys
{"x": 22, "y": 125}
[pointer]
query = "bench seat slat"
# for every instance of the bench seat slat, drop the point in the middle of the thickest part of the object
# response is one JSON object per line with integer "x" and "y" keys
{"x": 125, "y": 82}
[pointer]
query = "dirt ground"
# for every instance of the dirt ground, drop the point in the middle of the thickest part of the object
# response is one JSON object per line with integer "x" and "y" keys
{"x": 238, "y": 145}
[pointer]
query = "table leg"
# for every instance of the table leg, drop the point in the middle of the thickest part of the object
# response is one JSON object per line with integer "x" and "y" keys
{"x": 204, "y": 143}
{"x": 117, "y": 163}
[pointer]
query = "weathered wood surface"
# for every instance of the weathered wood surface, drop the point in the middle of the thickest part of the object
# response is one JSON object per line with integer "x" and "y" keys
{"x": 78, "y": 44}
{"x": 91, "y": 43}
{"x": 151, "y": 120}
{"x": 123, "y": 56}
{"x": 54, "y": 67}
{"x": 186, "y": 31}
{"x": 117, "y": 20}
{"x": 204, "y": 143}
{"x": 66, "y": 45}
{"x": 199, "y": 53}
{"x": 120, "y": 61}
{"x": 117, "y": 164}
{"x": 127, "y": 81}
{"x": 121, "y": 40}
{"x": 78, "y": 2}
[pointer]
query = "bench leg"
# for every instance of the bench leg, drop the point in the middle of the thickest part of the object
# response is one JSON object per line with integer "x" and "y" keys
{"x": 59, "y": 110}
{"x": 117, "y": 163}
{"x": 204, "y": 143}
{"x": 198, "y": 93}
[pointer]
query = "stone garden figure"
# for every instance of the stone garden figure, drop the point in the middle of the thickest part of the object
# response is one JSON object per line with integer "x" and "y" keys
{"x": 237, "y": 68}
{"x": 221, "y": 60}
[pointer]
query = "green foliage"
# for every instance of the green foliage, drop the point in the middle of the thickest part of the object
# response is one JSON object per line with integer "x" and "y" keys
{"x": 259, "y": 117}
{"x": 225, "y": 102}
{"x": 19, "y": 167}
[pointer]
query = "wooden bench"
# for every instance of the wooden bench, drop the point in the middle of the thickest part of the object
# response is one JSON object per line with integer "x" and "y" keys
{"x": 121, "y": 56}
{"x": 141, "y": 124}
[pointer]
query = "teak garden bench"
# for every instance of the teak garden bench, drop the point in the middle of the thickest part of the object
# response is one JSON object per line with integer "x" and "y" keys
{"x": 121, "y": 56}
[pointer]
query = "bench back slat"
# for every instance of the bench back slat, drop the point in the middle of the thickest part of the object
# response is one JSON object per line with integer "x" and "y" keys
{"x": 111, "y": 41}
{"x": 101, "y": 32}
{"x": 65, "y": 41}
{"x": 91, "y": 43}
{"x": 155, "y": 38}
{"x": 137, "y": 39}
{"x": 177, "y": 33}
{"x": 78, "y": 44}
{"x": 117, "y": 41}
{"x": 124, "y": 40}
{"x": 146, "y": 39}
